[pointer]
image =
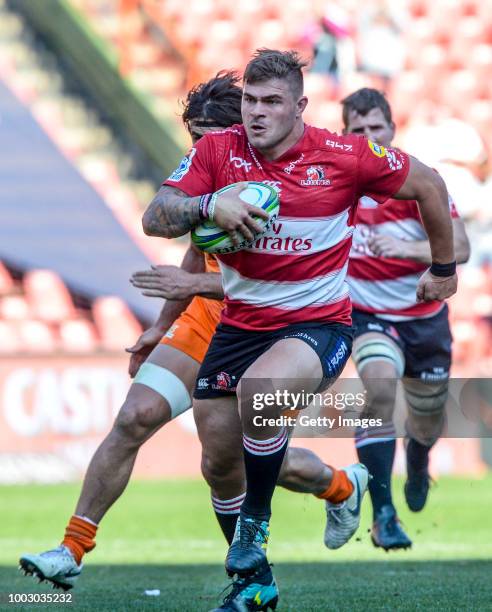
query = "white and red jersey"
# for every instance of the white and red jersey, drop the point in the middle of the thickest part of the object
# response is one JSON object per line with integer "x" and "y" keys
{"x": 384, "y": 286}
{"x": 296, "y": 272}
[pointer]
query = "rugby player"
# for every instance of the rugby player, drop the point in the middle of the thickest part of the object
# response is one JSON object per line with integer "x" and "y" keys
{"x": 287, "y": 309}
{"x": 164, "y": 362}
{"x": 396, "y": 335}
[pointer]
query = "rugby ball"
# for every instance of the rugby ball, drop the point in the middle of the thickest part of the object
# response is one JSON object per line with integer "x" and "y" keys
{"x": 212, "y": 239}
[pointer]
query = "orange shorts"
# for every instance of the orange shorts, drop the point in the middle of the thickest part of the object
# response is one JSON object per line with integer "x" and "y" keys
{"x": 192, "y": 332}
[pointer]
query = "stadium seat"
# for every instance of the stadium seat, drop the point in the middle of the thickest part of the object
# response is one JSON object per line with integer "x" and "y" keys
{"x": 37, "y": 337}
{"x": 329, "y": 116}
{"x": 115, "y": 323}
{"x": 319, "y": 88}
{"x": 11, "y": 342}
{"x": 420, "y": 33}
{"x": 417, "y": 8}
{"x": 432, "y": 65}
{"x": 480, "y": 62}
{"x": 450, "y": 11}
{"x": 14, "y": 308}
{"x": 223, "y": 33}
{"x": 467, "y": 34}
{"x": 48, "y": 297}
{"x": 270, "y": 33}
{"x": 459, "y": 90}
{"x": 78, "y": 336}
{"x": 405, "y": 92}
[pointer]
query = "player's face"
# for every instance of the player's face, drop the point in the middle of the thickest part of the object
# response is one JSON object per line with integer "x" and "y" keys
{"x": 270, "y": 111}
{"x": 198, "y": 128}
{"x": 373, "y": 126}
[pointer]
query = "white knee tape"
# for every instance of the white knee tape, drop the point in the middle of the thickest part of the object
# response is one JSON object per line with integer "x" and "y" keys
{"x": 378, "y": 349}
{"x": 167, "y": 384}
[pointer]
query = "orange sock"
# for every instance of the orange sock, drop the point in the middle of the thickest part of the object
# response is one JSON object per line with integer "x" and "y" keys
{"x": 79, "y": 537}
{"x": 339, "y": 489}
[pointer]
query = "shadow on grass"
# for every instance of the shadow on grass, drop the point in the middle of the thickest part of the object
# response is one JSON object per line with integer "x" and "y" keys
{"x": 376, "y": 585}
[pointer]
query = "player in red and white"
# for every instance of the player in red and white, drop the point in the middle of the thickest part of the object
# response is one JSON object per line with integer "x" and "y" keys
{"x": 287, "y": 310}
{"x": 395, "y": 334}
{"x": 165, "y": 362}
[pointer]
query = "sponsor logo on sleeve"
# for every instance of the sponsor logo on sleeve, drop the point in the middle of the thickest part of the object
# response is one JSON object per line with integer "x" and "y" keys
{"x": 343, "y": 146}
{"x": 377, "y": 150}
{"x": 183, "y": 167}
{"x": 395, "y": 159}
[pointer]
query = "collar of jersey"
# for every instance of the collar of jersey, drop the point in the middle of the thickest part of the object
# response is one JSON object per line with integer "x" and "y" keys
{"x": 292, "y": 153}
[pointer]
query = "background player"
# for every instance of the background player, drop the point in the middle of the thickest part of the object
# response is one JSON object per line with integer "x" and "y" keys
{"x": 395, "y": 335}
{"x": 272, "y": 327}
{"x": 167, "y": 357}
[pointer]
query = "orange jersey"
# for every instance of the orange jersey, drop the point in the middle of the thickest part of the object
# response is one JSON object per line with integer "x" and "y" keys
{"x": 192, "y": 331}
{"x": 211, "y": 263}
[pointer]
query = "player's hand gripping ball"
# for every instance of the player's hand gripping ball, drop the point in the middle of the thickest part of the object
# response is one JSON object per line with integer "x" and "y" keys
{"x": 212, "y": 239}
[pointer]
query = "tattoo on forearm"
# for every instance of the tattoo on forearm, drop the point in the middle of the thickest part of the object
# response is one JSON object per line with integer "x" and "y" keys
{"x": 171, "y": 213}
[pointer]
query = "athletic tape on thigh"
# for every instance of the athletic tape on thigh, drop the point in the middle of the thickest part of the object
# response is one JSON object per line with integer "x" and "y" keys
{"x": 427, "y": 400}
{"x": 167, "y": 384}
{"x": 378, "y": 349}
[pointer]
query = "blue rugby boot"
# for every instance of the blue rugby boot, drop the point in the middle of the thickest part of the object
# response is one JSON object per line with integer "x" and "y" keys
{"x": 252, "y": 594}
{"x": 247, "y": 552}
{"x": 418, "y": 478}
{"x": 387, "y": 532}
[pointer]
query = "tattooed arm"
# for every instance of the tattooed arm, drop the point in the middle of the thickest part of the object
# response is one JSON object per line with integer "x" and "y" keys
{"x": 171, "y": 213}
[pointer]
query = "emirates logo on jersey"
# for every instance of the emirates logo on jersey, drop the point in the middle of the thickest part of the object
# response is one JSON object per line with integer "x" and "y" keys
{"x": 277, "y": 243}
{"x": 315, "y": 176}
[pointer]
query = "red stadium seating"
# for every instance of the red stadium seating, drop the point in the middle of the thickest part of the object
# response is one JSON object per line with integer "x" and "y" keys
{"x": 14, "y": 308}
{"x": 10, "y": 340}
{"x": 78, "y": 336}
{"x": 405, "y": 93}
{"x": 48, "y": 297}
{"x": 467, "y": 34}
{"x": 459, "y": 90}
{"x": 480, "y": 63}
{"x": 117, "y": 326}
{"x": 37, "y": 337}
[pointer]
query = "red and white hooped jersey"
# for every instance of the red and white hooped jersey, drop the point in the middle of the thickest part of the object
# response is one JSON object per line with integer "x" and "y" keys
{"x": 383, "y": 286}
{"x": 296, "y": 272}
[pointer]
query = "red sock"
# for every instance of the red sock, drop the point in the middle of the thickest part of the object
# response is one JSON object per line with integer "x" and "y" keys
{"x": 79, "y": 537}
{"x": 339, "y": 489}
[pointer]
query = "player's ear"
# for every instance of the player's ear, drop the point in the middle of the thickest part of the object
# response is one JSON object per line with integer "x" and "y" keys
{"x": 393, "y": 129}
{"x": 301, "y": 105}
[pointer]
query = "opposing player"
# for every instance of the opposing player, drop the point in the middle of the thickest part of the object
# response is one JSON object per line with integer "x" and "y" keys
{"x": 165, "y": 361}
{"x": 287, "y": 310}
{"x": 396, "y": 335}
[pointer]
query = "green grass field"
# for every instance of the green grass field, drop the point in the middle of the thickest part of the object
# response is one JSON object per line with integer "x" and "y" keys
{"x": 163, "y": 535}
